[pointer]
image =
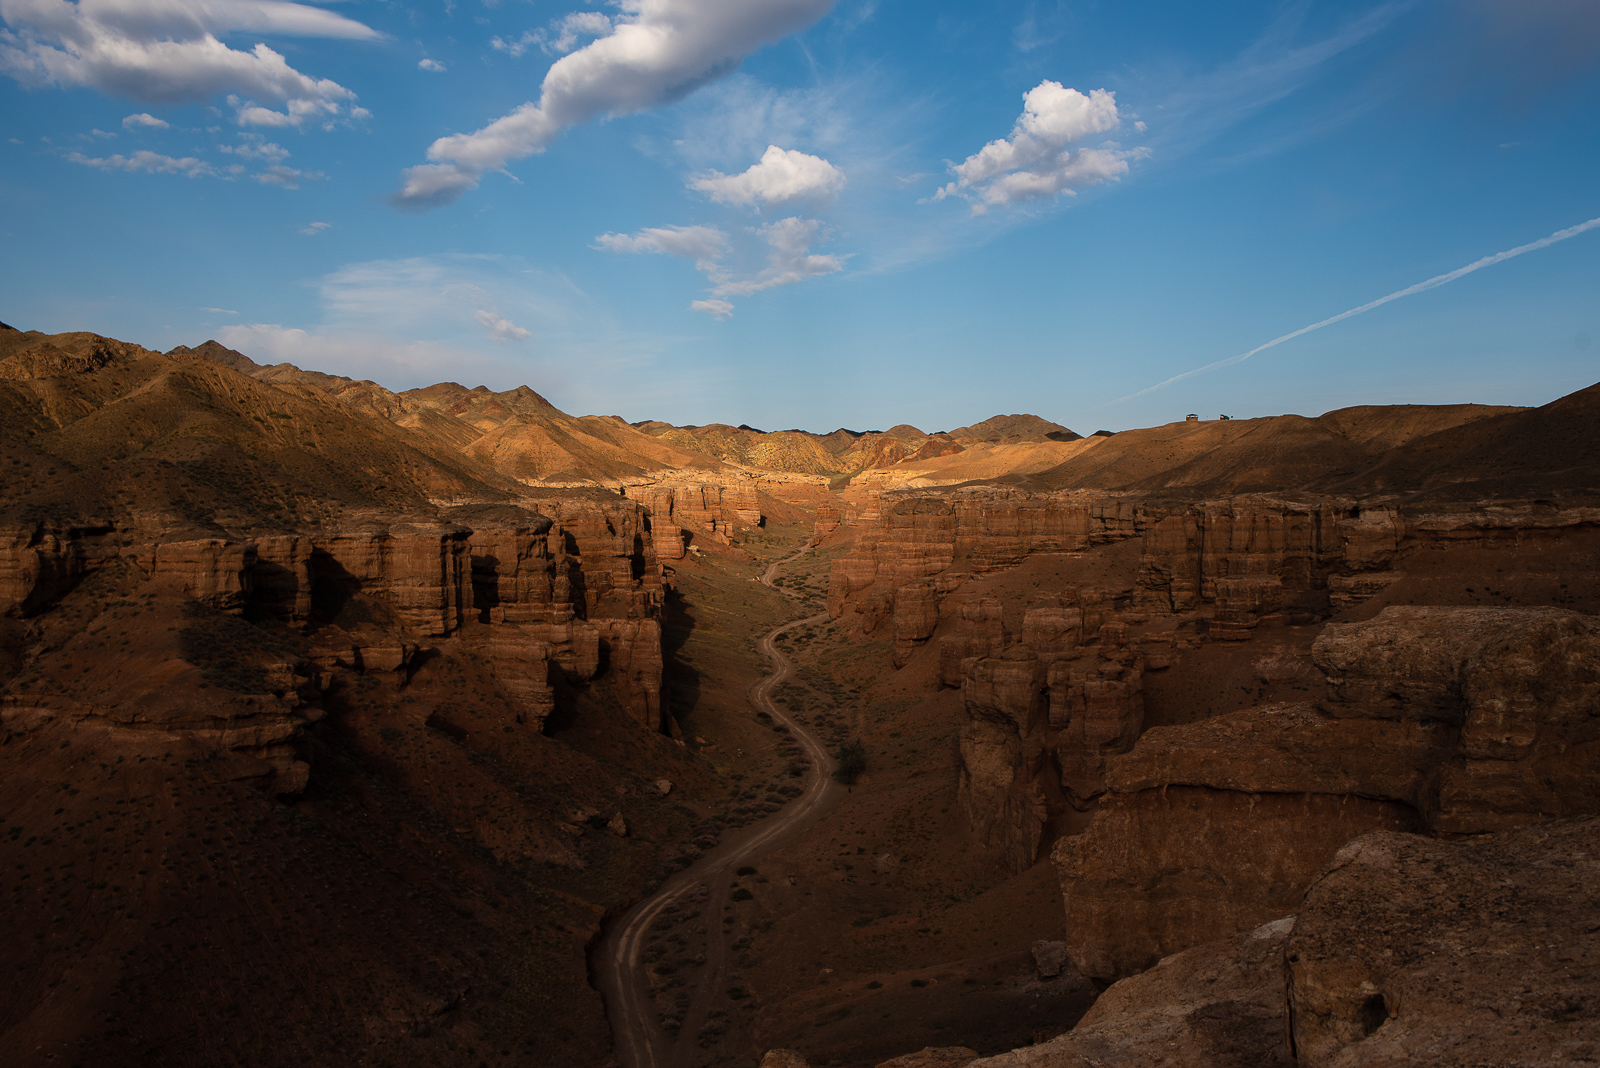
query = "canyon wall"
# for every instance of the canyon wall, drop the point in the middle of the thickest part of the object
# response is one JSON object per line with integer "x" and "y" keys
{"x": 1458, "y": 719}
{"x": 573, "y": 594}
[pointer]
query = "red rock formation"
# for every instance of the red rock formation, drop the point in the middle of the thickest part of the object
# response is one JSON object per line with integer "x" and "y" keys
{"x": 1413, "y": 951}
{"x": 1215, "y": 1006}
{"x": 713, "y": 510}
{"x": 1451, "y": 719}
{"x": 530, "y": 595}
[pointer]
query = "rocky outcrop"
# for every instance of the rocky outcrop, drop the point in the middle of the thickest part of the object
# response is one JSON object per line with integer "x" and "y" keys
{"x": 534, "y": 599}
{"x": 713, "y": 510}
{"x": 1413, "y": 951}
{"x": 1162, "y": 870}
{"x": 1404, "y": 950}
{"x": 1449, "y": 719}
{"x": 1215, "y": 1006}
{"x": 1518, "y": 688}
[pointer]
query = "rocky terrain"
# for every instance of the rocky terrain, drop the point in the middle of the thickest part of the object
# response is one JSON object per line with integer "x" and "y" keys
{"x": 338, "y": 721}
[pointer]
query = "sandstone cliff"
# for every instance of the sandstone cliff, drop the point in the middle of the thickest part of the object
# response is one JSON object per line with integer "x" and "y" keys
{"x": 179, "y": 481}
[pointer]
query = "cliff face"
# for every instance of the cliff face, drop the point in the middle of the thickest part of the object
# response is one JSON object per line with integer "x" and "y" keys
{"x": 1460, "y": 719}
{"x": 535, "y": 597}
{"x": 183, "y": 479}
{"x": 681, "y": 510}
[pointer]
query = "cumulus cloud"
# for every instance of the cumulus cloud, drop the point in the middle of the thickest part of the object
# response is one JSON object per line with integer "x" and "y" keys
{"x": 431, "y": 65}
{"x": 313, "y": 229}
{"x": 783, "y": 176}
{"x": 144, "y": 119}
{"x": 169, "y": 51}
{"x": 657, "y": 51}
{"x": 1035, "y": 162}
{"x": 145, "y": 161}
{"x": 788, "y": 257}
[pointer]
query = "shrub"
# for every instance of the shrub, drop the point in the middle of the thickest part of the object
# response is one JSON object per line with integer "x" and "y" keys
{"x": 746, "y": 870}
{"x": 851, "y": 758}
{"x": 742, "y": 894}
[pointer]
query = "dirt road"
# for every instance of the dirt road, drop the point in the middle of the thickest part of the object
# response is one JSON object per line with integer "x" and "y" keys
{"x": 639, "y": 1039}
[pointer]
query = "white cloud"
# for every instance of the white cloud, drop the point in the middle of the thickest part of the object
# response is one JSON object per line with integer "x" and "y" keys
{"x": 788, "y": 256}
{"x": 1035, "y": 162}
{"x": 412, "y": 322}
{"x": 168, "y": 51}
{"x": 431, "y": 65}
{"x": 717, "y": 309}
{"x": 145, "y": 119}
{"x": 265, "y": 151}
{"x": 287, "y": 177}
{"x": 501, "y": 328}
{"x": 220, "y": 311}
{"x": 706, "y": 245}
{"x": 783, "y": 176}
{"x": 297, "y": 113}
{"x": 568, "y": 31}
{"x": 148, "y": 162}
{"x": 657, "y": 51}
{"x": 313, "y": 229}
{"x": 791, "y": 259}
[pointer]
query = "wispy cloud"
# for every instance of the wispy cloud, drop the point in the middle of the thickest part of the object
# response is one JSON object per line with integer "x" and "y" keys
{"x": 490, "y": 319}
{"x": 787, "y": 254}
{"x": 1421, "y": 287}
{"x": 147, "y": 162}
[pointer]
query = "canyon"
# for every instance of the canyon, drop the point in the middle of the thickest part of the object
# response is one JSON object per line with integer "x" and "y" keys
{"x": 430, "y": 727}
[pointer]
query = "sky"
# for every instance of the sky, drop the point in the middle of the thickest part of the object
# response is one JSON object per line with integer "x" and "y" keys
{"x": 824, "y": 213}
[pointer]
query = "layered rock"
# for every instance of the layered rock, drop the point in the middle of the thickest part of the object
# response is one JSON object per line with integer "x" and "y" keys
{"x": 1215, "y": 1006}
{"x": 529, "y": 596}
{"x": 1519, "y": 687}
{"x": 714, "y": 510}
{"x": 1042, "y": 713}
{"x": 1414, "y": 951}
{"x": 1450, "y": 719}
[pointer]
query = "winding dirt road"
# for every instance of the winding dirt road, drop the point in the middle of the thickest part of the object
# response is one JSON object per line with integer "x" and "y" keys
{"x": 637, "y": 1035}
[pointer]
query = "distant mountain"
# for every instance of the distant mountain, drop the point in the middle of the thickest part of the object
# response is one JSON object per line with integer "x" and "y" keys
{"x": 1284, "y": 453}
{"x": 850, "y": 452}
{"x": 1007, "y": 429}
{"x": 517, "y": 432}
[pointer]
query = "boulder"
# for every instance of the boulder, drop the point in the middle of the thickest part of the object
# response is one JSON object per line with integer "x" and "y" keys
{"x": 1219, "y": 1005}
{"x": 1410, "y": 951}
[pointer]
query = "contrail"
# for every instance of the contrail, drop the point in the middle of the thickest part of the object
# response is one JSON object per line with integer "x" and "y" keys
{"x": 1432, "y": 283}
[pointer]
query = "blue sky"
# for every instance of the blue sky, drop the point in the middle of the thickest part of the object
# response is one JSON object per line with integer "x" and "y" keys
{"x": 818, "y": 214}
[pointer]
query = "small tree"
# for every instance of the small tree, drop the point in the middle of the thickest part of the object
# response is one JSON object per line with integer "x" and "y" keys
{"x": 852, "y": 760}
